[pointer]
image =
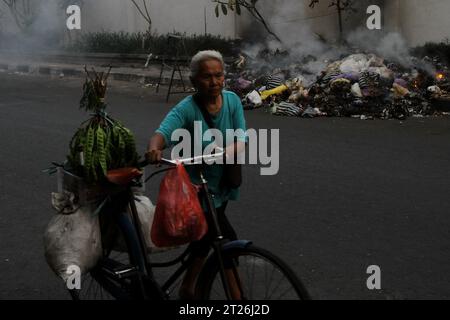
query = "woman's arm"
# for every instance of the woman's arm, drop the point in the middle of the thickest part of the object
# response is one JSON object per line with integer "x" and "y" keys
{"x": 175, "y": 119}
{"x": 234, "y": 149}
{"x": 155, "y": 147}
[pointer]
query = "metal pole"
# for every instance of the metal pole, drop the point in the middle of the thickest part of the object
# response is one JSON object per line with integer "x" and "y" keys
{"x": 341, "y": 28}
{"x": 217, "y": 245}
{"x": 206, "y": 27}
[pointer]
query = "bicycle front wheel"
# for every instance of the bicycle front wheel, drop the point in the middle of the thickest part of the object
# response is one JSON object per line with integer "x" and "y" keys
{"x": 261, "y": 276}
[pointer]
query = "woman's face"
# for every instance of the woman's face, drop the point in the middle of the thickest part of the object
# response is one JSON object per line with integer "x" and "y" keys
{"x": 210, "y": 79}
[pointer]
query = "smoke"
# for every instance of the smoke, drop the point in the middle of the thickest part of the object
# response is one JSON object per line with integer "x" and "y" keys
{"x": 45, "y": 30}
{"x": 304, "y": 52}
{"x": 391, "y": 46}
{"x": 291, "y": 20}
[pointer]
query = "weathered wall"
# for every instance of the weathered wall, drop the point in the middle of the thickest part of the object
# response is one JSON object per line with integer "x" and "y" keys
{"x": 167, "y": 16}
{"x": 422, "y": 21}
{"x": 294, "y": 18}
{"x": 121, "y": 15}
{"x": 419, "y": 21}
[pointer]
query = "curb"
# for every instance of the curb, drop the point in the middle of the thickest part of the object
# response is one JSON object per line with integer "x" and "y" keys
{"x": 80, "y": 73}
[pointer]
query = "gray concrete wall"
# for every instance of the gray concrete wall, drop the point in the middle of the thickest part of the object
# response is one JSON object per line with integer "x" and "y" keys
{"x": 419, "y": 21}
{"x": 167, "y": 16}
{"x": 424, "y": 21}
{"x": 294, "y": 18}
{"x": 120, "y": 15}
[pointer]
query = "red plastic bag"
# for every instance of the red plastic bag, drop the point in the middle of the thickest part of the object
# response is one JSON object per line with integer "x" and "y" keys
{"x": 179, "y": 217}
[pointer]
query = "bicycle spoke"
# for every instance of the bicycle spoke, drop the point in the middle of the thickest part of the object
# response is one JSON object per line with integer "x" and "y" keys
{"x": 252, "y": 277}
{"x": 90, "y": 286}
{"x": 288, "y": 290}
{"x": 261, "y": 276}
{"x": 278, "y": 285}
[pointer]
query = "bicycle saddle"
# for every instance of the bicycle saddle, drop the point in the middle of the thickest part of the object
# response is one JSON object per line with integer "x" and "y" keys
{"x": 123, "y": 176}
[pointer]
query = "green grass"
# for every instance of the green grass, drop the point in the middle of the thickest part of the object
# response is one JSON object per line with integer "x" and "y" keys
{"x": 432, "y": 49}
{"x": 132, "y": 43}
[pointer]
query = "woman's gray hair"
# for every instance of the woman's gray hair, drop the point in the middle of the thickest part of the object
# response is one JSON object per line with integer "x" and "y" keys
{"x": 202, "y": 56}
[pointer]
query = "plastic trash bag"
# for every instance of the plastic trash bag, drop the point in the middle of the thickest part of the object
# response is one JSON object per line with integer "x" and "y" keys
{"x": 341, "y": 85}
{"x": 146, "y": 213}
{"x": 401, "y": 82}
{"x": 355, "y": 63}
{"x": 243, "y": 84}
{"x": 253, "y": 98}
{"x": 356, "y": 90}
{"x": 72, "y": 237}
{"x": 399, "y": 91}
{"x": 434, "y": 90}
{"x": 179, "y": 217}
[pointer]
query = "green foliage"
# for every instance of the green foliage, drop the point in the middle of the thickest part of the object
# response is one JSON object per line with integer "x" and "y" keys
{"x": 432, "y": 49}
{"x": 233, "y": 5}
{"x": 90, "y": 100}
{"x": 131, "y": 43}
{"x": 101, "y": 143}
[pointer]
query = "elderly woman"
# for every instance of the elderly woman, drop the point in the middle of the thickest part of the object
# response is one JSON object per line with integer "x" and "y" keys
{"x": 225, "y": 111}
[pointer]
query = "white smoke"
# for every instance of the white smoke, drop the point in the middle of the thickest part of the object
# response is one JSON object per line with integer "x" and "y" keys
{"x": 391, "y": 46}
{"x": 304, "y": 47}
{"x": 45, "y": 32}
{"x": 291, "y": 21}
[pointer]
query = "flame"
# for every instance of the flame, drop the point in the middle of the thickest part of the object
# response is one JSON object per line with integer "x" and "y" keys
{"x": 440, "y": 76}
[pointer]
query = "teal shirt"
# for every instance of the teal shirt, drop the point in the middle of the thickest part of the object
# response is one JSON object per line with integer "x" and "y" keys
{"x": 231, "y": 116}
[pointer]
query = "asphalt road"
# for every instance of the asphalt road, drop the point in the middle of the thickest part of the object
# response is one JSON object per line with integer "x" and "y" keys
{"x": 349, "y": 193}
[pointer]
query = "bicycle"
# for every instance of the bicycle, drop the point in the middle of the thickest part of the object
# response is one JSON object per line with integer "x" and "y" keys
{"x": 258, "y": 274}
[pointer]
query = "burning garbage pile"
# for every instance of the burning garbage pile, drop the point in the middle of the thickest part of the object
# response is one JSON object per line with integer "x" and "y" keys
{"x": 363, "y": 86}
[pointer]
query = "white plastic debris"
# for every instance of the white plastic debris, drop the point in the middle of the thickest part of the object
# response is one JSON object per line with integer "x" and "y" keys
{"x": 254, "y": 97}
{"x": 435, "y": 90}
{"x": 355, "y": 63}
{"x": 356, "y": 90}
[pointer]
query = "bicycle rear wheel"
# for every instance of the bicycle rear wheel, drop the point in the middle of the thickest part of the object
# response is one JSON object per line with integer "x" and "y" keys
{"x": 262, "y": 276}
{"x": 103, "y": 282}
{"x": 96, "y": 285}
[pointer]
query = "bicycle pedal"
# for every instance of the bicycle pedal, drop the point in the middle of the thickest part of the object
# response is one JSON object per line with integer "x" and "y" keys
{"x": 118, "y": 270}
{"x": 126, "y": 272}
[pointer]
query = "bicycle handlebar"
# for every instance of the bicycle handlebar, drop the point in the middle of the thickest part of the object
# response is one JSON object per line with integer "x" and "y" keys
{"x": 187, "y": 161}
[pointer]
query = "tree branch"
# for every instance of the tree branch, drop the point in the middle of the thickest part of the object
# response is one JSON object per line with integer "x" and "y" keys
{"x": 263, "y": 21}
{"x": 141, "y": 12}
{"x": 251, "y": 8}
{"x": 22, "y": 17}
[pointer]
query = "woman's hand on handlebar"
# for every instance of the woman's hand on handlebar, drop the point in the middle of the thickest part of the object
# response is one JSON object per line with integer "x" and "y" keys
{"x": 155, "y": 147}
{"x": 154, "y": 157}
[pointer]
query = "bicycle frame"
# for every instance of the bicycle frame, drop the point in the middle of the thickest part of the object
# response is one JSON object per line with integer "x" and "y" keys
{"x": 133, "y": 235}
